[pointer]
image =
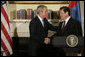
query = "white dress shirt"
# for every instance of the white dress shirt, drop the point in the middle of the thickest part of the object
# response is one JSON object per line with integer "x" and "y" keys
{"x": 66, "y": 21}
{"x": 41, "y": 20}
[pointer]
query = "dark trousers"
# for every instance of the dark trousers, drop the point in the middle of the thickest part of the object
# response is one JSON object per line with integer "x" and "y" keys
{"x": 49, "y": 50}
{"x": 45, "y": 50}
{"x": 34, "y": 49}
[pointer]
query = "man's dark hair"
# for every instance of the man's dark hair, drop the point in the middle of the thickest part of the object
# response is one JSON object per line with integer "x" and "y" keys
{"x": 65, "y": 9}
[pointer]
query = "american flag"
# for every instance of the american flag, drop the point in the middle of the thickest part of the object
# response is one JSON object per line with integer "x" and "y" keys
{"x": 6, "y": 41}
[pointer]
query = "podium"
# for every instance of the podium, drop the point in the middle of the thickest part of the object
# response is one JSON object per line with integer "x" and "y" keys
{"x": 65, "y": 42}
{"x": 60, "y": 41}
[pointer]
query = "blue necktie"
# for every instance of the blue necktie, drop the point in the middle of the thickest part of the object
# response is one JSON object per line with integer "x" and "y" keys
{"x": 43, "y": 22}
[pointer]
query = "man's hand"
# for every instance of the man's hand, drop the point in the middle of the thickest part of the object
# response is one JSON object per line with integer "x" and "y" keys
{"x": 47, "y": 41}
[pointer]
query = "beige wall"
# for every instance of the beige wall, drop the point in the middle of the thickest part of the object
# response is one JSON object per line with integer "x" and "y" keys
{"x": 82, "y": 14}
{"x": 82, "y": 9}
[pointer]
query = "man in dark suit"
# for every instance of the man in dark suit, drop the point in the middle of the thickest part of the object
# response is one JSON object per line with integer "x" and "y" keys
{"x": 38, "y": 31}
{"x": 69, "y": 26}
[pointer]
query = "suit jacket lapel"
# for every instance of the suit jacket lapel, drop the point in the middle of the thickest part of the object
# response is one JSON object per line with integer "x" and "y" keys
{"x": 40, "y": 22}
{"x": 69, "y": 22}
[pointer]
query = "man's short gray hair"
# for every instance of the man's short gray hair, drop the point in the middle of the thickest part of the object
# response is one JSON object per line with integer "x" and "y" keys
{"x": 40, "y": 8}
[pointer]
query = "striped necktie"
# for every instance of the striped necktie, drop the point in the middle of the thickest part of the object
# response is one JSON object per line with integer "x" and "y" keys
{"x": 63, "y": 25}
{"x": 43, "y": 22}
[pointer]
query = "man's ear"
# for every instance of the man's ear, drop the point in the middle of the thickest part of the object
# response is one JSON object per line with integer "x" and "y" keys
{"x": 40, "y": 12}
{"x": 67, "y": 13}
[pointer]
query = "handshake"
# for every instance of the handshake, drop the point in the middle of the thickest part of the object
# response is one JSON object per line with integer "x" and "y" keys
{"x": 47, "y": 41}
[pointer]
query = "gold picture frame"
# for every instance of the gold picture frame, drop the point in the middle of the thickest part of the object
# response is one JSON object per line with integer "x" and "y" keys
{"x": 38, "y": 2}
